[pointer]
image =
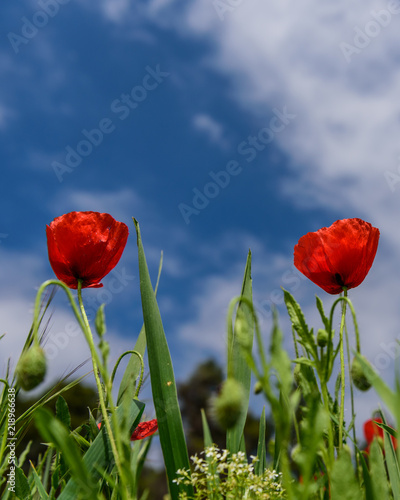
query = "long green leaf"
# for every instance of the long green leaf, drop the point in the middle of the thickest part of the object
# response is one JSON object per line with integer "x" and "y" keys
{"x": 238, "y": 367}
{"x": 62, "y": 412}
{"x": 128, "y": 382}
{"x": 162, "y": 377}
{"x": 99, "y": 453}
{"x": 380, "y": 485}
{"x": 39, "y": 485}
{"x": 208, "y": 441}
{"x": 391, "y": 460}
{"x": 369, "y": 493}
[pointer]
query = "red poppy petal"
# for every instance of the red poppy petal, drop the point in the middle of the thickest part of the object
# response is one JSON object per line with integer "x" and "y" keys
{"x": 339, "y": 255}
{"x": 145, "y": 429}
{"x": 86, "y": 246}
{"x": 371, "y": 430}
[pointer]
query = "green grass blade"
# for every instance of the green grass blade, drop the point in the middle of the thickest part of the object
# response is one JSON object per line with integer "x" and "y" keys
{"x": 261, "y": 450}
{"x": 391, "y": 461}
{"x": 128, "y": 382}
{"x": 379, "y": 480}
{"x": 62, "y": 412}
{"x": 369, "y": 493}
{"x": 238, "y": 367}
{"x": 162, "y": 377}
{"x": 39, "y": 485}
{"x": 208, "y": 441}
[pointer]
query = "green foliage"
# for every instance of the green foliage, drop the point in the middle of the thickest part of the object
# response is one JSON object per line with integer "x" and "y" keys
{"x": 344, "y": 484}
{"x": 303, "y": 454}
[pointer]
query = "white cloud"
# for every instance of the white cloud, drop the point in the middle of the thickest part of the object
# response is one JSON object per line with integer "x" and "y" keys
{"x": 210, "y": 127}
{"x": 345, "y": 134}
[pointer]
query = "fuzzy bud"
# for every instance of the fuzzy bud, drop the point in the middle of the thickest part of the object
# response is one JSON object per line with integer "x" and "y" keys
{"x": 322, "y": 337}
{"x": 358, "y": 377}
{"x": 257, "y": 387}
{"x": 228, "y": 405}
{"x": 242, "y": 331}
{"x": 31, "y": 368}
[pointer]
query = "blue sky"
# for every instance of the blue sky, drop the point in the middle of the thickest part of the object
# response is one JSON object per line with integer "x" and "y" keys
{"x": 294, "y": 107}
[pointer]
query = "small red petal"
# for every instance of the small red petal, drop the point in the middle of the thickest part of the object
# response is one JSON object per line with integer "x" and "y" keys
{"x": 371, "y": 431}
{"x": 145, "y": 429}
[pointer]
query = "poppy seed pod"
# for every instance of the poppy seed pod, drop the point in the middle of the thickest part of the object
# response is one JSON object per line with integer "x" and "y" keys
{"x": 31, "y": 368}
{"x": 257, "y": 387}
{"x": 322, "y": 338}
{"x": 228, "y": 405}
{"x": 358, "y": 377}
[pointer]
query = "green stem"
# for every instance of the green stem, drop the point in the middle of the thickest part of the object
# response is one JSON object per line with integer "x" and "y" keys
{"x": 296, "y": 349}
{"x": 353, "y": 413}
{"x": 115, "y": 442}
{"x": 331, "y": 447}
{"x": 139, "y": 385}
{"x": 342, "y": 371}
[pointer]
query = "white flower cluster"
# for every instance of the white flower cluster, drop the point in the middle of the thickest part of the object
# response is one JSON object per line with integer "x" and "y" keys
{"x": 224, "y": 476}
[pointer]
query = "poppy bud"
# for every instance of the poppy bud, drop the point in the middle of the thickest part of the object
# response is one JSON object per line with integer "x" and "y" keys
{"x": 31, "y": 368}
{"x": 257, "y": 387}
{"x": 228, "y": 405}
{"x": 296, "y": 452}
{"x": 358, "y": 377}
{"x": 297, "y": 374}
{"x": 242, "y": 331}
{"x": 322, "y": 337}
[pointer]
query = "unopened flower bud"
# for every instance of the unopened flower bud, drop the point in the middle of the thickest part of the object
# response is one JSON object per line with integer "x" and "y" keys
{"x": 228, "y": 405}
{"x": 322, "y": 337}
{"x": 297, "y": 373}
{"x": 358, "y": 377}
{"x": 242, "y": 331}
{"x": 31, "y": 368}
{"x": 257, "y": 387}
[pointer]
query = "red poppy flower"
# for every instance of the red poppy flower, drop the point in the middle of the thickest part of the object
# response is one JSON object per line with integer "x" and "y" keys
{"x": 85, "y": 246}
{"x": 144, "y": 430}
{"x": 337, "y": 256}
{"x": 371, "y": 431}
